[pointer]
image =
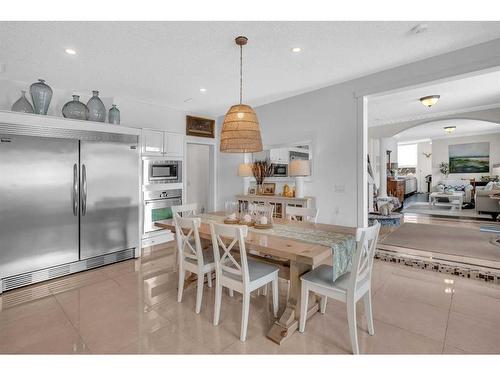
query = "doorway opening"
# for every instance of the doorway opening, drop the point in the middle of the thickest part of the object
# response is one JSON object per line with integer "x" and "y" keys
{"x": 200, "y": 172}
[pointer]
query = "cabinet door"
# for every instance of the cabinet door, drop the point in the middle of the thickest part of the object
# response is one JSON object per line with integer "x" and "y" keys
{"x": 152, "y": 142}
{"x": 174, "y": 144}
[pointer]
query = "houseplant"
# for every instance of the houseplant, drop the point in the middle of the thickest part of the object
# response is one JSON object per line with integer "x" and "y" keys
{"x": 444, "y": 168}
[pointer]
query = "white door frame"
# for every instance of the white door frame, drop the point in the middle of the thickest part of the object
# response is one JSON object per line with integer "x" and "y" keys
{"x": 212, "y": 196}
{"x": 361, "y": 104}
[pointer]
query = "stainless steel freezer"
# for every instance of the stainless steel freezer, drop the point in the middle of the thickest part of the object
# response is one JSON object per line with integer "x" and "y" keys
{"x": 38, "y": 219}
{"x": 69, "y": 201}
{"x": 109, "y": 197}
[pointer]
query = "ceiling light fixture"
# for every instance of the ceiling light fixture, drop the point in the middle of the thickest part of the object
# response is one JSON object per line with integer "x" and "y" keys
{"x": 296, "y": 49}
{"x": 240, "y": 130}
{"x": 188, "y": 100}
{"x": 430, "y": 100}
{"x": 70, "y": 51}
{"x": 449, "y": 129}
{"x": 202, "y": 89}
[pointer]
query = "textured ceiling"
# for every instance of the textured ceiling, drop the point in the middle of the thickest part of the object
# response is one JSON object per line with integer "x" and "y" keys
{"x": 167, "y": 62}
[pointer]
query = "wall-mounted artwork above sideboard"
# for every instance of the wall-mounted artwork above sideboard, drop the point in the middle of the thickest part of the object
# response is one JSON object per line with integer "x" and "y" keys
{"x": 469, "y": 157}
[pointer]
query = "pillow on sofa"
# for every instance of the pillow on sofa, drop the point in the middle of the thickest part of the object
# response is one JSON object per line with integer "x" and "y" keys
{"x": 492, "y": 186}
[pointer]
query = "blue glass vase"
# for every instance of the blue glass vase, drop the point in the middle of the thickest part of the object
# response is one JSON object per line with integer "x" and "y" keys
{"x": 22, "y": 104}
{"x": 114, "y": 115}
{"x": 75, "y": 109}
{"x": 97, "y": 111}
{"x": 41, "y": 95}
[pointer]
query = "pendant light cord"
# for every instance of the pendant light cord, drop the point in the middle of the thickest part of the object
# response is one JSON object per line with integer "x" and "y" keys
{"x": 241, "y": 74}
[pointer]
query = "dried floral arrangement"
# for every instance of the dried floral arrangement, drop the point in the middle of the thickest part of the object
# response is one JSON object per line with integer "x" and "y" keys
{"x": 261, "y": 169}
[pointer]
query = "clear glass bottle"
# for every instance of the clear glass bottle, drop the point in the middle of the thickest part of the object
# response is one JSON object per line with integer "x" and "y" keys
{"x": 41, "y": 95}
{"x": 97, "y": 111}
{"x": 114, "y": 115}
{"x": 75, "y": 109}
{"x": 22, "y": 104}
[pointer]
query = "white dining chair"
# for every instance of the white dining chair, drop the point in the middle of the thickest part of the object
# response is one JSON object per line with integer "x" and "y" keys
{"x": 185, "y": 209}
{"x": 306, "y": 214}
{"x": 348, "y": 288}
{"x": 192, "y": 258}
{"x": 244, "y": 276}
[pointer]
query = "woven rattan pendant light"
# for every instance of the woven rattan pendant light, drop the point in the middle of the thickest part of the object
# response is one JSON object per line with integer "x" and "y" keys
{"x": 240, "y": 130}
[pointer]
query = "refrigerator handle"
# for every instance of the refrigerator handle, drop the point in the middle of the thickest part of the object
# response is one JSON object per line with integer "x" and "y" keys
{"x": 75, "y": 189}
{"x": 84, "y": 190}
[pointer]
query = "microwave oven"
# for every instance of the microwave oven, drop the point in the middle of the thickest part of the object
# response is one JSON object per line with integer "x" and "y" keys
{"x": 162, "y": 171}
{"x": 280, "y": 170}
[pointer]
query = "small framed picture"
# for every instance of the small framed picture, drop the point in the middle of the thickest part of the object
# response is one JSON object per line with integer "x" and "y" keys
{"x": 200, "y": 127}
{"x": 268, "y": 188}
{"x": 252, "y": 190}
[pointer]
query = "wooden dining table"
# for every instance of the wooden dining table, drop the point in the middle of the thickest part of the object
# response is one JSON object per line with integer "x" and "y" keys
{"x": 294, "y": 257}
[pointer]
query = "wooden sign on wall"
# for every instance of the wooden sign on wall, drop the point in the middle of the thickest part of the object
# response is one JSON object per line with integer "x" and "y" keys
{"x": 200, "y": 127}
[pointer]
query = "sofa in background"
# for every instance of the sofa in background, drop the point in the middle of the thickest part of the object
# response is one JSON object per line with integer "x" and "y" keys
{"x": 485, "y": 204}
{"x": 457, "y": 185}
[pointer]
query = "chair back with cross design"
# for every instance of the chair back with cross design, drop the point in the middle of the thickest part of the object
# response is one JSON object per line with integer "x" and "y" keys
{"x": 225, "y": 238}
{"x": 362, "y": 263}
{"x": 188, "y": 238}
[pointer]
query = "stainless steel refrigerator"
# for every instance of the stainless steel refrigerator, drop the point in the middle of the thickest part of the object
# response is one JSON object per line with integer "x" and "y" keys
{"x": 69, "y": 201}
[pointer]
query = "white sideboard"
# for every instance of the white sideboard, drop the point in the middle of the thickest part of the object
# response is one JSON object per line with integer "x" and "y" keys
{"x": 279, "y": 202}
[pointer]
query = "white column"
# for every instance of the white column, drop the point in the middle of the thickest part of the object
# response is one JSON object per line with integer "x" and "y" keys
{"x": 383, "y": 167}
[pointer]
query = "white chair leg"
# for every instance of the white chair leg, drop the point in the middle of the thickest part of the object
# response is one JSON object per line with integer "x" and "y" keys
{"x": 351, "y": 319}
{"x": 244, "y": 316}
{"x": 199, "y": 292}
{"x": 264, "y": 290}
{"x": 218, "y": 301}
{"x": 304, "y": 294}
{"x": 231, "y": 293}
{"x": 275, "y": 296}
{"x": 209, "y": 279}
{"x": 322, "y": 306}
{"x": 367, "y": 300}
{"x": 182, "y": 276}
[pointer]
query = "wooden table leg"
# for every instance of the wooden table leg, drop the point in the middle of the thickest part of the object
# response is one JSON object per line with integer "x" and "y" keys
{"x": 288, "y": 322}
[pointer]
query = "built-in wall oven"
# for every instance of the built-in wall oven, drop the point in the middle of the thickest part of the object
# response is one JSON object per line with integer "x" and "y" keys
{"x": 158, "y": 206}
{"x": 160, "y": 171}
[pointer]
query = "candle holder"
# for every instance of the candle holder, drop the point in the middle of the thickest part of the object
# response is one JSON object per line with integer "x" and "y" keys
{"x": 231, "y": 212}
{"x": 263, "y": 216}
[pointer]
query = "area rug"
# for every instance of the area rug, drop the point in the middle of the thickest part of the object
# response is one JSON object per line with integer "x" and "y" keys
{"x": 424, "y": 208}
{"x": 463, "y": 242}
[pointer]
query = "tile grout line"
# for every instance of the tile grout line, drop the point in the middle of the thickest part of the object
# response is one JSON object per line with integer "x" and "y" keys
{"x": 447, "y": 321}
{"x": 72, "y": 325}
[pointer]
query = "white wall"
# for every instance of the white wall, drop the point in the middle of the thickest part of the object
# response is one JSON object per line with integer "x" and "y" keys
{"x": 440, "y": 154}
{"x": 424, "y": 164}
{"x": 197, "y": 178}
{"x": 133, "y": 111}
{"x": 330, "y": 117}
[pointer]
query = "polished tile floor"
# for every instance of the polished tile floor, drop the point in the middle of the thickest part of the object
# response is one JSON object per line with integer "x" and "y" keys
{"x": 131, "y": 307}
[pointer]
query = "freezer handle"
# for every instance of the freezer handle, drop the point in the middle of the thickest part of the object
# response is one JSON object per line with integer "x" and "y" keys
{"x": 75, "y": 189}
{"x": 84, "y": 189}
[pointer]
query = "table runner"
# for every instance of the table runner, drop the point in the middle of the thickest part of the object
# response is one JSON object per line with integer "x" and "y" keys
{"x": 342, "y": 245}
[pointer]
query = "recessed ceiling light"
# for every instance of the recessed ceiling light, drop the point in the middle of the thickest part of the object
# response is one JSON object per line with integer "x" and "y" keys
{"x": 70, "y": 51}
{"x": 430, "y": 100}
{"x": 296, "y": 49}
{"x": 202, "y": 89}
{"x": 188, "y": 100}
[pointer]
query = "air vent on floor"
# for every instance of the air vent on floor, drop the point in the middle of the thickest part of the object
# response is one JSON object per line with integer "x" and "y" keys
{"x": 95, "y": 262}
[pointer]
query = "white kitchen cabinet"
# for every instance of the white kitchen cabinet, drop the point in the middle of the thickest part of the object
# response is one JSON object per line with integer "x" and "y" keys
{"x": 279, "y": 155}
{"x": 158, "y": 143}
{"x": 152, "y": 142}
{"x": 173, "y": 144}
